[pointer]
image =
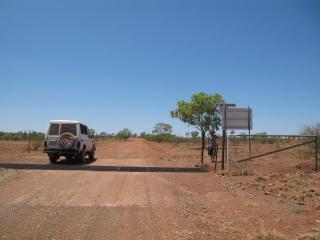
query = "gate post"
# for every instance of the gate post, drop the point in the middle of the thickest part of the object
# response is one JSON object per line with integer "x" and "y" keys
{"x": 223, "y": 149}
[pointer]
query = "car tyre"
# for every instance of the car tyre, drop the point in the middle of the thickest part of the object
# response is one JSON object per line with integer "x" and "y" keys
{"x": 92, "y": 154}
{"x": 53, "y": 159}
{"x": 83, "y": 156}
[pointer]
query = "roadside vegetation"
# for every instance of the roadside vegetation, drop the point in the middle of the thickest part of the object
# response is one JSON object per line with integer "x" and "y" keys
{"x": 162, "y": 133}
{"x": 311, "y": 130}
{"x": 169, "y": 138}
{"x": 124, "y": 134}
{"x": 36, "y": 138}
{"x": 20, "y": 135}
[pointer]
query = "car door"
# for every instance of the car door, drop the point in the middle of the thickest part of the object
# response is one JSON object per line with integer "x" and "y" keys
{"x": 87, "y": 139}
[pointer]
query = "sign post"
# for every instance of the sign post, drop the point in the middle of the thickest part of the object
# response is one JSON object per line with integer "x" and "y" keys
{"x": 249, "y": 128}
{"x": 223, "y": 139}
{"x": 234, "y": 118}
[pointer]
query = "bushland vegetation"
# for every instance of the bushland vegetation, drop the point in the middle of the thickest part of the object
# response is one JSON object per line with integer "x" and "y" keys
{"x": 21, "y": 135}
{"x": 124, "y": 134}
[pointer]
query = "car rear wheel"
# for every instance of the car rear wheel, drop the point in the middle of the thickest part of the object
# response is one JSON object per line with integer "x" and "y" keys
{"x": 92, "y": 154}
{"x": 83, "y": 156}
{"x": 53, "y": 159}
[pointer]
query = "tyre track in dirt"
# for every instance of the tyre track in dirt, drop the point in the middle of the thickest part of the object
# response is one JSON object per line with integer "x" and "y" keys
{"x": 136, "y": 221}
{"x": 120, "y": 187}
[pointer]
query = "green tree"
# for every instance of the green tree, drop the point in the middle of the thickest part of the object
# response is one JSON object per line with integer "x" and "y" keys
{"x": 194, "y": 134}
{"x": 143, "y": 134}
{"x": 201, "y": 112}
{"x": 162, "y": 129}
{"x": 92, "y": 132}
{"x": 124, "y": 134}
{"x": 103, "y": 135}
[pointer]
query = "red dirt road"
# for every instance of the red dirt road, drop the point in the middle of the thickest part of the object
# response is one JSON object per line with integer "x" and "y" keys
{"x": 76, "y": 204}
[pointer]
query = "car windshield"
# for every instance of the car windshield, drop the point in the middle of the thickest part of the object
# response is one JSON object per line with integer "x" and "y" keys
{"x": 54, "y": 129}
{"x": 68, "y": 127}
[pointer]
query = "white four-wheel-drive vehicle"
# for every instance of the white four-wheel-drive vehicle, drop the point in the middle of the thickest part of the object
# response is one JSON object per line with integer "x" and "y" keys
{"x": 70, "y": 139}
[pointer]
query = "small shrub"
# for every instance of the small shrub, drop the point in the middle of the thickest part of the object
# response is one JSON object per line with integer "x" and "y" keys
{"x": 241, "y": 170}
{"x": 313, "y": 234}
{"x": 296, "y": 208}
{"x": 316, "y": 204}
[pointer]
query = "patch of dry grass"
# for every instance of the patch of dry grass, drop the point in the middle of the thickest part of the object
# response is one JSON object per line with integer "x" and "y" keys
{"x": 6, "y": 174}
{"x": 268, "y": 236}
{"x": 313, "y": 234}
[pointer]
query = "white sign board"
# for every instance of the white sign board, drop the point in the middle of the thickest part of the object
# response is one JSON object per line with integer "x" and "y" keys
{"x": 237, "y": 118}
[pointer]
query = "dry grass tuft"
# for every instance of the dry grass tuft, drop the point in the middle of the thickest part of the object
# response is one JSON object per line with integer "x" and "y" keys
{"x": 242, "y": 169}
{"x": 314, "y": 234}
{"x": 268, "y": 236}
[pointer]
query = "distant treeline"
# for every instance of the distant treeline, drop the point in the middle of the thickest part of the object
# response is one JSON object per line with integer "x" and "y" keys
{"x": 21, "y": 135}
{"x": 169, "y": 138}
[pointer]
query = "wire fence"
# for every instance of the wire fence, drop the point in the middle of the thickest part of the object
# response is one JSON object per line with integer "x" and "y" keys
{"x": 242, "y": 148}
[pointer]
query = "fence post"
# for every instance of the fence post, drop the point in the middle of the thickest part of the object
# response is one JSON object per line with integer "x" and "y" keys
{"x": 317, "y": 147}
{"x": 249, "y": 125}
{"x": 224, "y": 137}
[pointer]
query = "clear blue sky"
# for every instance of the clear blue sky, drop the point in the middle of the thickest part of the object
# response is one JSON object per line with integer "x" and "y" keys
{"x": 116, "y": 64}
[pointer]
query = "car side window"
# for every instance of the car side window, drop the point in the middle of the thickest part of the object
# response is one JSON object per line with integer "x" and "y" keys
{"x": 83, "y": 129}
{"x": 86, "y": 130}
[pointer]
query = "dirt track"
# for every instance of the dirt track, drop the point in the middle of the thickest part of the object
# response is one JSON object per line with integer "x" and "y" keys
{"x": 73, "y": 204}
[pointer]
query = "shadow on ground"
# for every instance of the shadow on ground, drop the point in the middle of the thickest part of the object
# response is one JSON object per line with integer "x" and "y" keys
{"x": 69, "y": 161}
{"x": 63, "y": 165}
